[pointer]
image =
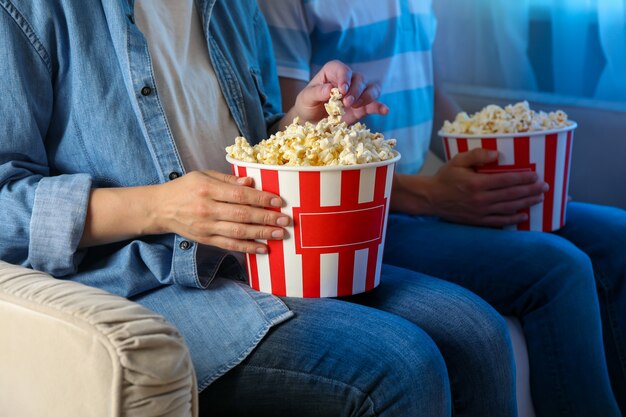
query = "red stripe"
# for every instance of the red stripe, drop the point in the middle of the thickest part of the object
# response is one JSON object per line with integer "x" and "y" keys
{"x": 446, "y": 145}
{"x": 380, "y": 183}
{"x": 349, "y": 199}
{"x": 309, "y": 189}
{"x": 269, "y": 178}
{"x": 568, "y": 151}
{"x": 309, "y": 199}
{"x": 253, "y": 270}
{"x": 550, "y": 168}
{"x": 372, "y": 254}
{"x": 346, "y": 273}
{"x": 311, "y": 275}
{"x": 521, "y": 147}
{"x": 461, "y": 144}
{"x": 492, "y": 145}
{"x": 350, "y": 188}
{"x": 247, "y": 262}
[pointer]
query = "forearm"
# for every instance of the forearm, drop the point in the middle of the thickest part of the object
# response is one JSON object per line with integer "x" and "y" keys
{"x": 116, "y": 214}
{"x": 412, "y": 194}
{"x": 286, "y": 120}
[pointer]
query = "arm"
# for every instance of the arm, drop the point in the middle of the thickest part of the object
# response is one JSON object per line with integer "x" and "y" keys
{"x": 208, "y": 207}
{"x": 41, "y": 217}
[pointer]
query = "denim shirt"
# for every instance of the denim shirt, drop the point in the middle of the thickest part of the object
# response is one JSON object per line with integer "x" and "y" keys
{"x": 79, "y": 109}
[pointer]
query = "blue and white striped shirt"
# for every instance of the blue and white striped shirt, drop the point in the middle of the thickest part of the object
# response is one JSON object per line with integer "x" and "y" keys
{"x": 389, "y": 42}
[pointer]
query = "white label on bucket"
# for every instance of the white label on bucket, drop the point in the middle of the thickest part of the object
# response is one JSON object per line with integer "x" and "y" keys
{"x": 330, "y": 188}
{"x": 366, "y": 185}
{"x": 360, "y": 271}
{"x": 329, "y": 268}
{"x": 537, "y": 157}
{"x": 289, "y": 190}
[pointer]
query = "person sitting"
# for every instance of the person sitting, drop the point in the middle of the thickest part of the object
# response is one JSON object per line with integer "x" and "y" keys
{"x": 566, "y": 287}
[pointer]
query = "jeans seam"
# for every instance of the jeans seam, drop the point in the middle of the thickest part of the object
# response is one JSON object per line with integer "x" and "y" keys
{"x": 367, "y": 396}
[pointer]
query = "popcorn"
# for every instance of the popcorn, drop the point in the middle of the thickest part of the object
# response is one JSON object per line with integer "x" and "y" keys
{"x": 328, "y": 142}
{"x": 517, "y": 118}
{"x": 334, "y": 107}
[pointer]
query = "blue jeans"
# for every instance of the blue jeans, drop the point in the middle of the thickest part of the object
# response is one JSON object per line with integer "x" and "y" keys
{"x": 548, "y": 281}
{"x": 394, "y": 351}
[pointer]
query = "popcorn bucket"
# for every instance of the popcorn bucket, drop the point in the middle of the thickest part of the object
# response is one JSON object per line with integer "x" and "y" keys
{"x": 334, "y": 244}
{"x": 548, "y": 153}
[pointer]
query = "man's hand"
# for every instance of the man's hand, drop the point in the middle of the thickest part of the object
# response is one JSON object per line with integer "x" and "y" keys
{"x": 359, "y": 97}
{"x": 207, "y": 207}
{"x": 459, "y": 194}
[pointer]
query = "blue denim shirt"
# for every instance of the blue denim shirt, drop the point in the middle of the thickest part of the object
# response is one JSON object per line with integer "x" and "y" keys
{"x": 79, "y": 109}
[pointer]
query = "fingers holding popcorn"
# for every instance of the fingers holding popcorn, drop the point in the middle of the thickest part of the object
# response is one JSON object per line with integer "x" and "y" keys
{"x": 356, "y": 93}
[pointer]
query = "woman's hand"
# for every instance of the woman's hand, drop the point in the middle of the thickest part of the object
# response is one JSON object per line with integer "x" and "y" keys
{"x": 220, "y": 210}
{"x": 459, "y": 194}
{"x": 207, "y": 207}
{"x": 359, "y": 97}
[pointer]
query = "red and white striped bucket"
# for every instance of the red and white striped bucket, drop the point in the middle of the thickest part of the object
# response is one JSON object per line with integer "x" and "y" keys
{"x": 548, "y": 153}
{"x": 335, "y": 241}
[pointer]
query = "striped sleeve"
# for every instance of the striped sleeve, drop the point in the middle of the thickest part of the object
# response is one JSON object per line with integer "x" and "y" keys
{"x": 289, "y": 29}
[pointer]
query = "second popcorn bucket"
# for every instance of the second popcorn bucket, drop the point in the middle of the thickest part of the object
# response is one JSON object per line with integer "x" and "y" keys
{"x": 335, "y": 242}
{"x": 547, "y": 153}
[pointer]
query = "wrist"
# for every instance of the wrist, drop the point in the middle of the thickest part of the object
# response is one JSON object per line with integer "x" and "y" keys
{"x": 287, "y": 118}
{"x": 152, "y": 209}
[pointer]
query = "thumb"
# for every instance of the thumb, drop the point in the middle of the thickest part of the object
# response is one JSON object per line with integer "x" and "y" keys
{"x": 313, "y": 94}
{"x": 475, "y": 157}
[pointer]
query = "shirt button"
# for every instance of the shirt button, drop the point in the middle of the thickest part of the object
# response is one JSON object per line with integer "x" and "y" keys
{"x": 131, "y": 18}
{"x": 173, "y": 175}
{"x": 185, "y": 244}
{"x": 146, "y": 91}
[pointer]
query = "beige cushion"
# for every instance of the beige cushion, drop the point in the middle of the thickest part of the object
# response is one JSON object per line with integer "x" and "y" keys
{"x": 69, "y": 350}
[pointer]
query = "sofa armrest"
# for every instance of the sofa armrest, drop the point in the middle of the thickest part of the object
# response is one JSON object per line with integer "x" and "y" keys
{"x": 71, "y": 350}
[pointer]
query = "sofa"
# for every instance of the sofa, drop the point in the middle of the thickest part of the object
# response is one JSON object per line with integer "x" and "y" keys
{"x": 69, "y": 350}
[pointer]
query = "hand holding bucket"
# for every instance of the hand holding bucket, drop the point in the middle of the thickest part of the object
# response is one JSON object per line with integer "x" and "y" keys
{"x": 548, "y": 153}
